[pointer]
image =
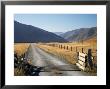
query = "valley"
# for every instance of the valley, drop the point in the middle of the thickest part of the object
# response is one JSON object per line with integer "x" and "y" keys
{"x": 55, "y": 61}
{"x": 52, "y": 53}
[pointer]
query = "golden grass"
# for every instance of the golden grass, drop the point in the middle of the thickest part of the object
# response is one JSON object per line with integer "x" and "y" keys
{"x": 71, "y": 55}
{"x": 18, "y": 72}
{"x": 63, "y": 54}
{"x": 20, "y": 48}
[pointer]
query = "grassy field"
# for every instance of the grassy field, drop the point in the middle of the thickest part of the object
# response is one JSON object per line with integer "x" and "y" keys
{"x": 20, "y": 48}
{"x": 70, "y": 53}
{"x": 67, "y": 51}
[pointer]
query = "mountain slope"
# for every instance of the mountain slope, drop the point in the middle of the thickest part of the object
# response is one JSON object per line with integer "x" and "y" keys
{"x": 28, "y": 33}
{"x": 80, "y": 34}
{"x": 58, "y": 33}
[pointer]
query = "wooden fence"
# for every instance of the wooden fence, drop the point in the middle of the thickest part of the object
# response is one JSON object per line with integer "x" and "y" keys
{"x": 82, "y": 60}
{"x": 85, "y": 60}
{"x": 66, "y": 47}
{"x": 69, "y": 47}
{"x": 84, "y": 57}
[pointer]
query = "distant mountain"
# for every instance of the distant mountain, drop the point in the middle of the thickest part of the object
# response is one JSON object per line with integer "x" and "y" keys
{"x": 28, "y": 33}
{"x": 80, "y": 34}
{"x": 58, "y": 33}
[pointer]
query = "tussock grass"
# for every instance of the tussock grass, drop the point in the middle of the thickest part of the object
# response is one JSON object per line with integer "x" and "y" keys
{"x": 59, "y": 53}
{"x": 68, "y": 54}
{"x": 18, "y": 72}
{"x": 20, "y": 48}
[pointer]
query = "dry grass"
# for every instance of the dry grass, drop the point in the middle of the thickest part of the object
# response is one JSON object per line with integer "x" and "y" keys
{"x": 20, "y": 48}
{"x": 63, "y": 54}
{"x": 18, "y": 72}
{"x": 70, "y": 55}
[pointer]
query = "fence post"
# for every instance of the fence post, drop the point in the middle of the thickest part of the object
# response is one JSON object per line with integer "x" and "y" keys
{"x": 71, "y": 48}
{"x": 77, "y": 56}
{"x": 76, "y": 49}
{"x": 61, "y": 46}
{"x": 90, "y": 58}
{"x": 67, "y": 47}
{"x": 82, "y": 50}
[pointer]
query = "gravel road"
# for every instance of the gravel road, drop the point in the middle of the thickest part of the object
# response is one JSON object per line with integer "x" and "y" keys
{"x": 53, "y": 66}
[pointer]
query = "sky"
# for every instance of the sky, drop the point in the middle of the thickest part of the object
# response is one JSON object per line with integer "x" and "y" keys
{"x": 58, "y": 22}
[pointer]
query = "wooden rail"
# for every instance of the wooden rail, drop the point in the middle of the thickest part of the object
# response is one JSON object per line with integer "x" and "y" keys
{"x": 85, "y": 60}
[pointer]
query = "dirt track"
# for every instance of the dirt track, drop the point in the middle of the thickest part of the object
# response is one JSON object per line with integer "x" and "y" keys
{"x": 53, "y": 66}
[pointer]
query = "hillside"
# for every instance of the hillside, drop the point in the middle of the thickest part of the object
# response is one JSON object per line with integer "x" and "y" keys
{"x": 28, "y": 33}
{"x": 58, "y": 33}
{"x": 80, "y": 34}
